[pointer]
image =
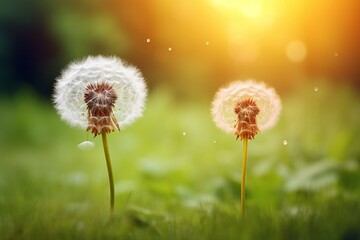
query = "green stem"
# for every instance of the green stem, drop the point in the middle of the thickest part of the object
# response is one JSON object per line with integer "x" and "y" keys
{"x": 109, "y": 168}
{"x": 243, "y": 178}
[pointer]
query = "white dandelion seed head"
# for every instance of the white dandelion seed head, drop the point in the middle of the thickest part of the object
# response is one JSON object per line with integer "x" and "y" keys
{"x": 125, "y": 79}
{"x": 226, "y": 99}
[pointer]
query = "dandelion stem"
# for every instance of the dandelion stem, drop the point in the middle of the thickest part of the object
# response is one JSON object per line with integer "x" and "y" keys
{"x": 109, "y": 168}
{"x": 243, "y": 177}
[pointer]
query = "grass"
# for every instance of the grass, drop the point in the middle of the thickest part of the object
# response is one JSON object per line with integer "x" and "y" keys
{"x": 178, "y": 177}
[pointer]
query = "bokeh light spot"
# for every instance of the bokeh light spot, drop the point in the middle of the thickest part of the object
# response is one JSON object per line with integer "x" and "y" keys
{"x": 296, "y": 51}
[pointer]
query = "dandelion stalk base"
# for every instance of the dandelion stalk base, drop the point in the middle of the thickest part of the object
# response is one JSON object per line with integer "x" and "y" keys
{"x": 243, "y": 177}
{"x": 109, "y": 168}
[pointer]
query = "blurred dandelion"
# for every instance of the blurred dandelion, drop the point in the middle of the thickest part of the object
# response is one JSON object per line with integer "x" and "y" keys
{"x": 245, "y": 108}
{"x": 100, "y": 94}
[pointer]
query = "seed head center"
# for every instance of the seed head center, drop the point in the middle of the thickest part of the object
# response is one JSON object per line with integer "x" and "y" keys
{"x": 246, "y": 127}
{"x": 100, "y": 100}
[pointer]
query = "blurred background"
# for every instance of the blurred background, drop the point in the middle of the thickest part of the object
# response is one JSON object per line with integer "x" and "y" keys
{"x": 192, "y": 46}
{"x": 308, "y": 50}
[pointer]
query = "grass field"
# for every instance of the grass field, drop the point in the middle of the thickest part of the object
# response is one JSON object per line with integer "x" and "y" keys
{"x": 178, "y": 177}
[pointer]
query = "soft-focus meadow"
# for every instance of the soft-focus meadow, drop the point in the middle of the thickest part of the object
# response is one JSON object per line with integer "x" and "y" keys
{"x": 176, "y": 175}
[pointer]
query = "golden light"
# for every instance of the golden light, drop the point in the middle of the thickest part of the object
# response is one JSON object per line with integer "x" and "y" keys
{"x": 243, "y": 48}
{"x": 249, "y": 8}
{"x": 257, "y": 14}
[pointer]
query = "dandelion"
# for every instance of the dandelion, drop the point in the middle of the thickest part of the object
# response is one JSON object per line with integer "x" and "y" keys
{"x": 245, "y": 108}
{"x": 100, "y": 95}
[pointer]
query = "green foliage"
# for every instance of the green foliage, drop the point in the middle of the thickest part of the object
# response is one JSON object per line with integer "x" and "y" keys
{"x": 178, "y": 177}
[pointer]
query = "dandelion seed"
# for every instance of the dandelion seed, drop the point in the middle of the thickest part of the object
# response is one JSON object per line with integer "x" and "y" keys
{"x": 245, "y": 108}
{"x": 100, "y": 94}
{"x": 86, "y": 145}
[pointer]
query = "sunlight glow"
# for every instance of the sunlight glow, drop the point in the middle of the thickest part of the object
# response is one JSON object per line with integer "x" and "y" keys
{"x": 249, "y": 8}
